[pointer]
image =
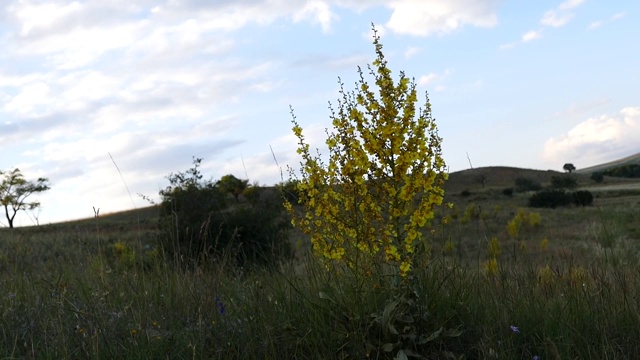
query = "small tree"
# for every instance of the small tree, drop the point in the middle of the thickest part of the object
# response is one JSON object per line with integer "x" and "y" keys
{"x": 233, "y": 185}
{"x": 14, "y": 191}
{"x": 569, "y": 167}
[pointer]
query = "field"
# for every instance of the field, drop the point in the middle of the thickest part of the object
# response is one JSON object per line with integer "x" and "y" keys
{"x": 556, "y": 284}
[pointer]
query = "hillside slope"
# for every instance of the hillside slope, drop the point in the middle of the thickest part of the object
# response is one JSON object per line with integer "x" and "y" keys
{"x": 633, "y": 159}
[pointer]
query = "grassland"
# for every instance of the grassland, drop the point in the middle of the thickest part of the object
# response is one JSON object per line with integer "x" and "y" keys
{"x": 564, "y": 287}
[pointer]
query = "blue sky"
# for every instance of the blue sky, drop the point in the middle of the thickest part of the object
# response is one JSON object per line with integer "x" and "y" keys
{"x": 531, "y": 84}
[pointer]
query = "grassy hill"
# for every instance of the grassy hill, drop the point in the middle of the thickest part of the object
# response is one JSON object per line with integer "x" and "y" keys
{"x": 633, "y": 159}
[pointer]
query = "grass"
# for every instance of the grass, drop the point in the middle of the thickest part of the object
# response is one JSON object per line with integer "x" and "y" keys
{"x": 100, "y": 288}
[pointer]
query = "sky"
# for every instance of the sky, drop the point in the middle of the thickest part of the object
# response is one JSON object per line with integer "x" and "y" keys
{"x": 106, "y": 98}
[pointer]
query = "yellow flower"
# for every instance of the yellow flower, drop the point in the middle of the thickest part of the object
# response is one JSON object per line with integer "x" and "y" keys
{"x": 493, "y": 248}
{"x": 544, "y": 244}
{"x": 405, "y": 267}
{"x": 491, "y": 267}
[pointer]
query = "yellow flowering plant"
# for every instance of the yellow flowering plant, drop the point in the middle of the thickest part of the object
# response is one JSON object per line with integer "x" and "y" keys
{"x": 384, "y": 176}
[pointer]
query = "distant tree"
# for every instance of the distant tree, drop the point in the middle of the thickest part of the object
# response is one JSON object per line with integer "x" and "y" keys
{"x": 233, "y": 185}
{"x": 569, "y": 167}
{"x": 14, "y": 191}
{"x": 482, "y": 179}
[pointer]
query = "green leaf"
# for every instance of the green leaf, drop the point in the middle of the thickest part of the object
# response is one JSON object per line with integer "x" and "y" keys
{"x": 434, "y": 335}
{"x": 453, "y": 332}
{"x": 388, "y": 310}
{"x": 401, "y": 355}
{"x": 388, "y": 347}
{"x": 325, "y": 296}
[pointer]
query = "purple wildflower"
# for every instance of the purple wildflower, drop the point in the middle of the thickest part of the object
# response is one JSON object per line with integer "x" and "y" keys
{"x": 515, "y": 329}
{"x": 220, "y": 304}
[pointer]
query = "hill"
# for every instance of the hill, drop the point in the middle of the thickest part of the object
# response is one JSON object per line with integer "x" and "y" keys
{"x": 499, "y": 177}
{"x": 633, "y": 159}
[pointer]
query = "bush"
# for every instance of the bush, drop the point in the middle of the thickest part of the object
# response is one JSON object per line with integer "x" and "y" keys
{"x": 525, "y": 184}
{"x": 597, "y": 177}
{"x": 290, "y": 191}
{"x": 563, "y": 182}
{"x": 508, "y": 191}
{"x": 550, "y": 199}
{"x": 196, "y": 223}
{"x": 583, "y": 198}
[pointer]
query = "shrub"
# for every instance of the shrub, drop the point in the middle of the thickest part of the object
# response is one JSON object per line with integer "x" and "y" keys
{"x": 550, "y": 199}
{"x": 290, "y": 191}
{"x": 563, "y": 182}
{"x": 597, "y": 177}
{"x": 525, "y": 184}
{"x": 196, "y": 222}
{"x": 384, "y": 176}
{"x": 583, "y": 198}
{"x": 253, "y": 193}
{"x": 628, "y": 171}
{"x": 508, "y": 191}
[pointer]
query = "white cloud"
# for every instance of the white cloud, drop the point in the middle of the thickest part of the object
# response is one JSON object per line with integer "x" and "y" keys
{"x": 598, "y": 139}
{"x": 531, "y": 35}
{"x": 554, "y": 19}
{"x": 600, "y": 23}
{"x": 595, "y": 25}
{"x": 433, "y": 77}
{"x": 426, "y": 17}
{"x": 411, "y": 51}
{"x": 570, "y": 4}
{"x": 318, "y": 12}
{"x": 580, "y": 109}
{"x": 561, "y": 15}
{"x": 507, "y": 46}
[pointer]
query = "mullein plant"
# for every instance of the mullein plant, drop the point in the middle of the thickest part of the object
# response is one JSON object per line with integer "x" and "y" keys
{"x": 384, "y": 177}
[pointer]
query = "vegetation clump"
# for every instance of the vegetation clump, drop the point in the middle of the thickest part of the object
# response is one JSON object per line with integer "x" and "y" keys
{"x": 523, "y": 184}
{"x": 550, "y": 199}
{"x": 597, "y": 176}
{"x": 583, "y": 198}
{"x": 198, "y": 222}
{"x": 626, "y": 171}
{"x": 563, "y": 182}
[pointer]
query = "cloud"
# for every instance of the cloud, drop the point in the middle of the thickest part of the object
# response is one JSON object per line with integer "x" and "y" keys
{"x": 598, "y": 139}
{"x": 561, "y": 15}
{"x": 156, "y": 82}
{"x": 411, "y": 51}
{"x": 433, "y": 77}
{"x": 575, "y": 110}
{"x": 426, "y": 17}
{"x": 318, "y": 11}
{"x": 557, "y": 17}
{"x": 600, "y": 23}
{"x": 531, "y": 35}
